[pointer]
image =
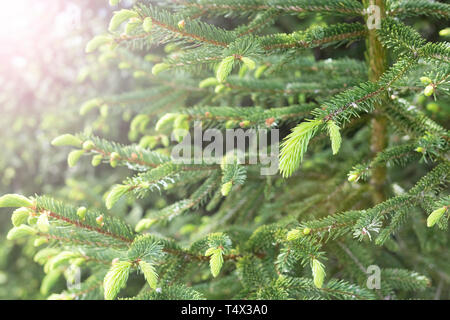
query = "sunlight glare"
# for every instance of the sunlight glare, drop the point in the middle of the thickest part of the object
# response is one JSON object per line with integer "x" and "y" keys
{"x": 15, "y": 18}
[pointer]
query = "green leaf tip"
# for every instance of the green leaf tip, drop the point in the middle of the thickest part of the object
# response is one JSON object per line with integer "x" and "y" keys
{"x": 116, "y": 279}
{"x": 144, "y": 224}
{"x": 293, "y": 235}
{"x": 81, "y": 212}
{"x": 115, "y": 194}
{"x": 295, "y": 146}
{"x": 224, "y": 69}
{"x": 14, "y": 201}
{"x": 73, "y": 157}
{"x": 226, "y": 188}
{"x": 435, "y": 216}
{"x": 149, "y": 273}
{"x": 119, "y": 17}
{"x": 318, "y": 272}
{"x": 249, "y": 63}
{"x": 43, "y": 223}
{"x": 89, "y": 105}
{"x": 20, "y": 216}
{"x": 208, "y": 82}
{"x": 66, "y": 140}
{"x": 147, "y": 24}
{"x": 165, "y": 120}
{"x": 335, "y": 136}
{"x": 20, "y": 232}
{"x": 96, "y": 42}
{"x": 216, "y": 260}
{"x": 159, "y": 67}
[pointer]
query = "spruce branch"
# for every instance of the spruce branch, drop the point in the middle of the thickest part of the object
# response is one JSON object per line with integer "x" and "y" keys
{"x": 133, "y": 156}
{"x": 228, "y": 117}
{"x": 406, "y": 41}
{"x": 346, "y": 7}
{"x": 110, "y": 227}
{"x": 361, "y": 99}
{"x": 194, "y": 30}
{"x": 314, "y": 37}
{"x": 223, "y": 230}
{"x": 413, "y": 8}
{"x": 340, "y": 224}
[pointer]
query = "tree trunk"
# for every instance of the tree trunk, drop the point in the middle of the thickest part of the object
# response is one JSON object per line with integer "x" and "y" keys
{"x": 376, "y": 56}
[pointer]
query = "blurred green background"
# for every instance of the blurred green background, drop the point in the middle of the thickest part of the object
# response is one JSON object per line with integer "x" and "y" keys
{"x": 44, "y": 77}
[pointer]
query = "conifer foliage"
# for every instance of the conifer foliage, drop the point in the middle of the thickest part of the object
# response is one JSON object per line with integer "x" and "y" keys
{"x": 343, "y": 198}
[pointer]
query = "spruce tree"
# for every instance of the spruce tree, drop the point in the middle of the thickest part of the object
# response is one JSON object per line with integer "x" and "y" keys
{"x": 363, "y": 170}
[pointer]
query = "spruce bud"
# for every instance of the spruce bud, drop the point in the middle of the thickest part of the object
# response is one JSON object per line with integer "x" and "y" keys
{"x": 88, "y": 145}
{"x": 420, "y": 149}
{"x": 181, "y": 24}
{"x": 293, "y": 235}
{"x": 96, "y": 160}
{"x": 429, "y": 90}
{"x": 81, "y": 212}
{"x": 434, "y": 217}
{"x": 147, "y": 25}
{"x": 244, "y": 124}
{"x": 99, "y": 220}
{"x": 226, "y": 188}
{"x": 114, "y": 158}
{"x": 425, "y": 80}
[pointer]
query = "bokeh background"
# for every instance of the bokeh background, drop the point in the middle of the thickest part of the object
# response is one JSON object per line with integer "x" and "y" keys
{"x": 45, "y": 76}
